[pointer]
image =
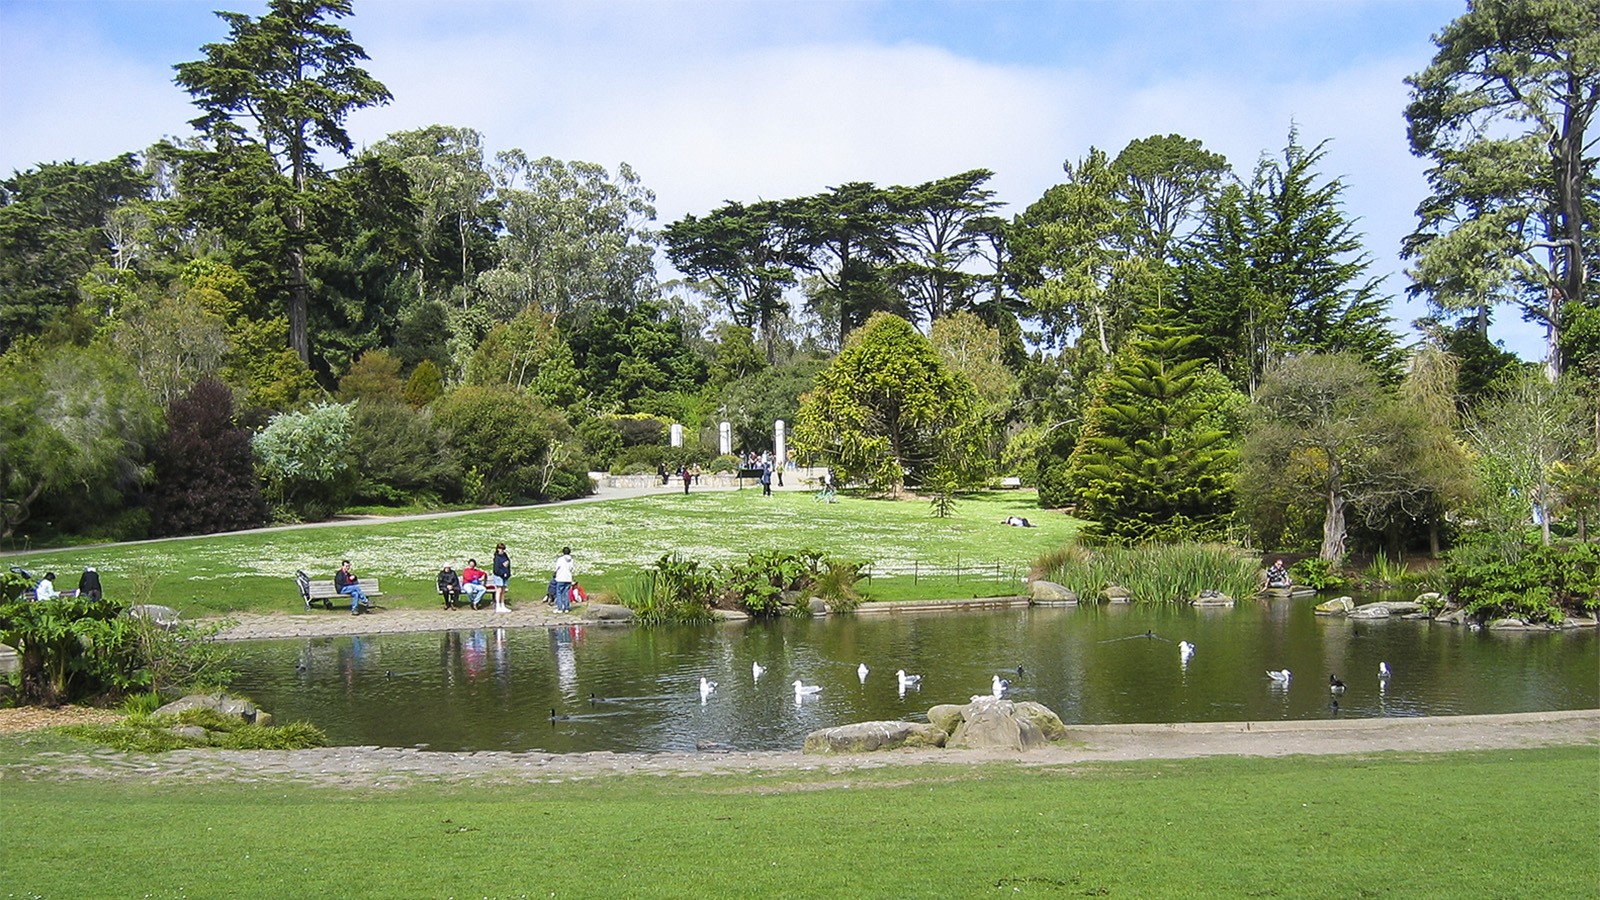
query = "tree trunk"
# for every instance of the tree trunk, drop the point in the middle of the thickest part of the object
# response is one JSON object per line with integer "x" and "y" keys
{"x": 1333, "y": 528}
{"x": 299, "y": 302}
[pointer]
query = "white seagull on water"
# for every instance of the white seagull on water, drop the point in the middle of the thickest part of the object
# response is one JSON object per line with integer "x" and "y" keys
{"x": 1185, "y": 650}
{"x": 756, "y": 671}
{"x": 999, "y": 687}
{"x": 1383, "y": 670}
{"x": 1279, "y": 677}
{"x": 706, "y": 687}
{"x": 907, "y": 680}
{"x": 861, "y": 672}
{"x": 801, "y": 689}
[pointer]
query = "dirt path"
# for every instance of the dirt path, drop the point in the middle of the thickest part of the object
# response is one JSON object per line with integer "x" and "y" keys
{"x": 376, "y": 767}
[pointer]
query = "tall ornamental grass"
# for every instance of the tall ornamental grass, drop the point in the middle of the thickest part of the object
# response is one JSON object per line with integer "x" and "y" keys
{"x": 1155, "y": 573}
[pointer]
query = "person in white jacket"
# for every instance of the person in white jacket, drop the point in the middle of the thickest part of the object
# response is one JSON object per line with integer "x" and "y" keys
{"x": 563, "y": 580}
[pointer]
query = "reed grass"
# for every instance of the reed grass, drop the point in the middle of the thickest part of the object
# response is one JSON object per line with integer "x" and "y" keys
{"x": 1155, "y": 573}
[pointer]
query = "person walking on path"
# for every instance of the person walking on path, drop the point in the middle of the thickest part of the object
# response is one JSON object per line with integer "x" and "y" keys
{"x": 563, "y": 579}
{"x": 346, "y": 582}
{"x": 500, "y": 577}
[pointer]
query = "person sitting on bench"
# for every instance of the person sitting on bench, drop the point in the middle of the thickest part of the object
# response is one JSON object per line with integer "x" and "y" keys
{"x": 472, "y": 582}
{"x": 450, "y": 587}
{"x": 346, "y": 582}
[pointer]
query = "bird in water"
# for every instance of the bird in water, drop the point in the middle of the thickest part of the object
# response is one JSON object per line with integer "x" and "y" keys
{"x": 999, "y": 686}
{"x": 1383, "y": 670}
{"x": 756, "y": 671}
{"x": 1185, "y": 650}
{"x": 1335, "y": 685}
{"x": 908, "y": 680}
{"x": 1281, "y": 676}
{"x": 557, "y": 717}
{"x": 801, "y": 689}
{"x": 861, "y": 672}
{"x": 706, "y": 687}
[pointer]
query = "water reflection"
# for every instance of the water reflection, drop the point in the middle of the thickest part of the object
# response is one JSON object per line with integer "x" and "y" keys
{"x": 639, "y": 689}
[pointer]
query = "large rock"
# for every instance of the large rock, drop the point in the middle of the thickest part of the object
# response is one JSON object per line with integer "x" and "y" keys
{"x": 1212, "y": 598}
{"x": 162, "y": 616}
{"x": 1117, "y": 594}
{"x": 1045, "y": 718}
{"x": 1050, "y": 592}
{"x": 222, "y": 703}
{"x": 990, "y": 724}
{"x": 1338, "y": 606}
{"x": 1370, "y": 611}
{"x": 864, "y": 737}
{"x": 818, "y": 606}
{"x": 607, "y": 612}
{"x": 947, "y": 716}
{"x": 1457, "y": 616}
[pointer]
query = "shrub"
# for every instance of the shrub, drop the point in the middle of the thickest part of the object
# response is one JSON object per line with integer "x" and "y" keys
{"x": 1316, "y": 573}
{"x": 205, "y": 472}
{"x": 401, "y": 455}
{"x": 304, "y": 456}
{"x": 1539, "y": 584}
{"x": 673, "y": 590}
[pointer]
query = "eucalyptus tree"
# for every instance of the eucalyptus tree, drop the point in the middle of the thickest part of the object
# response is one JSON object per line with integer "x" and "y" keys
{"x": 1277, "y": 268}
{"x": 278, "y": 91}
{"x": 455, "y": 209}
{"x": 575, "y": 240}
{"x": 1504, "y": 113}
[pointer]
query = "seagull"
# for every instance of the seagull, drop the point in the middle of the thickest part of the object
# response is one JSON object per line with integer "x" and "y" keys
{"x": 1185, "y": 650}
{"x": 1383, "y": 670}
{"x": 756, "y": 670}
{"x": 1335, "y": 685}
{"x": 999, "y": 687}
{"x": 1279, "y": 677}
{"x": 802, "y": 689}
{"x": 908, "y": 680}
{"x": 706, "y": 687}
{"x": 861, "y": 672}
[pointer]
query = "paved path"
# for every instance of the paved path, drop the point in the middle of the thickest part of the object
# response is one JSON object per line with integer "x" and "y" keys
{"x": 384, "y": 767}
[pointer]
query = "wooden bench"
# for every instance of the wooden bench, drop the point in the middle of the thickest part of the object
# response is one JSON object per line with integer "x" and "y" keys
{"x": 324, "y": 592}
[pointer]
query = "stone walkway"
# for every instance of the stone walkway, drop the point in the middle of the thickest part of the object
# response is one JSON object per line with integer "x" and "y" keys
{"x": 380, "y": 767}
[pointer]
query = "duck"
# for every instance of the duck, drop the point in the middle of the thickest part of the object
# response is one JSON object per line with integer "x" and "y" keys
{"x": 999, "y": 686}
{"x": 1335, "y": 685}
{"x": 1383, "y": 670}
{"x": 756, "y": 671}
{"x": 1281, "y": 676}
{"x": 557, "y": 717}
{"x": 706, "y": 687}
{"x": 907, "y": 680}
{"x": 861, "y": 672}
{"x": 801, "y": 689}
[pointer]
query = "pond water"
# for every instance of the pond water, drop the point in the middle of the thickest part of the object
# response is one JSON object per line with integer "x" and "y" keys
{"x": 495, "y": 689}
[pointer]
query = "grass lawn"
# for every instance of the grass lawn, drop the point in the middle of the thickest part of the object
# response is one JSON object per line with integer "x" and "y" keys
{"x": 612, "y": 541}
{"x": 1481, "y": 824}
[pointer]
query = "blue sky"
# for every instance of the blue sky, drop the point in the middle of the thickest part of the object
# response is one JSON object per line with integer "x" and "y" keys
{"x": 718, "y": 101}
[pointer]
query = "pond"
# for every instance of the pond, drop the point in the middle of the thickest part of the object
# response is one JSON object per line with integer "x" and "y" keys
{"x": 638, "y": 689}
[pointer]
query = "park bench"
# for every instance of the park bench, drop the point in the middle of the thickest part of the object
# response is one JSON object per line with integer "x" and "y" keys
{"x": 324, "y": 592}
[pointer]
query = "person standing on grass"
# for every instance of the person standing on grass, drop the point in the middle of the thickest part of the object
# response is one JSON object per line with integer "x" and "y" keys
{"x": 766, "y": 479}
{"x": 472, "y": 579}
{"x": 500, "y": 577}
{"x": 563, "y": 580}
{"x": 346, "y": 582}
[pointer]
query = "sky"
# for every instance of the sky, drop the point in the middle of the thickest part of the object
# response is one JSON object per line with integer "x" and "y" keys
{"x": 718, "y": 101}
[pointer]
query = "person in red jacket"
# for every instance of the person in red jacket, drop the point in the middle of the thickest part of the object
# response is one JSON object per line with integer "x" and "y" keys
{"x": 473, "y": 582}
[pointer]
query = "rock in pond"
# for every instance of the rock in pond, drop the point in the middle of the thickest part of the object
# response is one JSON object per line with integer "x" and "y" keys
{"x": 1212, "y": 598}
{"x": 1116, "y": 594}
{"x": 864, "y": 737}
{"x": 221, "y": 703}
{"x": 1338, "y": 606}
{"x": 607, "y": 612}
{"x": 1048, "y": 592}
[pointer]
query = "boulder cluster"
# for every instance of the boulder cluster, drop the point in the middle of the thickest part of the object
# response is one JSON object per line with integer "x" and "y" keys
{"x": 985, "y": 723}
